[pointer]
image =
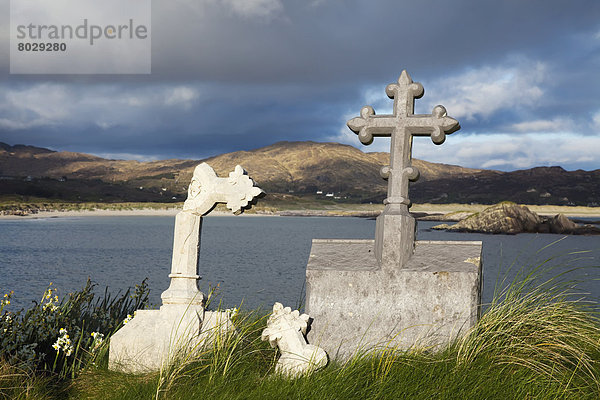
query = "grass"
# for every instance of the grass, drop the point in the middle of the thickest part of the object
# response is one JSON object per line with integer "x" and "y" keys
{"x": 501, "y": 358}
{"x": 534, "y": 341}
{"x": 37, "y": 205}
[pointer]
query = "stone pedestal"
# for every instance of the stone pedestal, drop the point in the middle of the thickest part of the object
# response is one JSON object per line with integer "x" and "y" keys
{"x": 357, "y": 305}
{"x": 154, "y": 338}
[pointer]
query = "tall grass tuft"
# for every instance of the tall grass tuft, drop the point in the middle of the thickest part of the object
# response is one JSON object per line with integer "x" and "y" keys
{"x": 18, "y": 383}
{"x": 548, "y": 329}
{"x": 227, "y": 357}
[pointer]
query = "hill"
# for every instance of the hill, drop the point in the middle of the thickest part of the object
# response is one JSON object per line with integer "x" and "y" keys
{"x": 302, "y": 168}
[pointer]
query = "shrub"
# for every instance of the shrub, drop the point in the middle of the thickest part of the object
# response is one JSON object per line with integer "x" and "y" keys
{"x": 63, "y": 336}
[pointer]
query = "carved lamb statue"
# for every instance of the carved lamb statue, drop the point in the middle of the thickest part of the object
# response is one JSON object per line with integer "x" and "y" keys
{"x": 286, "y": 329}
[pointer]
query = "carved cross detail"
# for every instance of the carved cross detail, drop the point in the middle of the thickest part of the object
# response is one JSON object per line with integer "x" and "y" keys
{"x": 402, "y": 125}
{"x": 207, "y": 189}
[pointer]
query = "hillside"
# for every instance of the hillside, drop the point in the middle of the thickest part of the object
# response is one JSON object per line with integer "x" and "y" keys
{"x": 302, "y": 168}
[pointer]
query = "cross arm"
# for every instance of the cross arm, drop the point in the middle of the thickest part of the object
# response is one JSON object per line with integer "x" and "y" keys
{"x": 369, "y": 125}
{"x": 437, "y": 125}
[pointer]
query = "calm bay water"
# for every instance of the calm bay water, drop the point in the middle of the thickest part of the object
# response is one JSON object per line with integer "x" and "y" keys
{"x": 257, "y": 260}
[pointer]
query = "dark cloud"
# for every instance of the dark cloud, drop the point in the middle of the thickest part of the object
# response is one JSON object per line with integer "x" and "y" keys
{"x": 235, "y": 75}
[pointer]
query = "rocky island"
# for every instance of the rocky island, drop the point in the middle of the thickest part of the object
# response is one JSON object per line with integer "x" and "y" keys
{"x": 511, "y": 218}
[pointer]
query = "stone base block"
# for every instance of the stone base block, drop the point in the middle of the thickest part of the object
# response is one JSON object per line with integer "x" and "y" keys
{"x": 154, "y": 338}
{"x": 357, "y": 306}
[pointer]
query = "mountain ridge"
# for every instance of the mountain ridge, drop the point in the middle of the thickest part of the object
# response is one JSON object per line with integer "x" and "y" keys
{"x": 305, "y": 168}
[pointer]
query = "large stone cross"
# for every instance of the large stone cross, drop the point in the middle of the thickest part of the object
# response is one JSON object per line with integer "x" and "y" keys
{"x": 204, "y": 192}
{"x": 393, "y": 292}
{"x": 395, "y": 232}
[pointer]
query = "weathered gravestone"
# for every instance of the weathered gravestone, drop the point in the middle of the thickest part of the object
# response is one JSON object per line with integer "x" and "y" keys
{"x": 393, "y": 290}
{"x": 154, "y": 337}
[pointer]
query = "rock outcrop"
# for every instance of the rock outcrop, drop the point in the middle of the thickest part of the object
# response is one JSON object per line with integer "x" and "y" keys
{"x": 510, "y": 218}
{"x": 455, "y": 216}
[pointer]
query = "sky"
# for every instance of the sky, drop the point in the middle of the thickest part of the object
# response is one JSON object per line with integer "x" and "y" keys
{"x": 522, "y": 77}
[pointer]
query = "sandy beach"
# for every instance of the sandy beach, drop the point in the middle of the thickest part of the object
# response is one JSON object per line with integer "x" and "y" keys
{"x": 583, "y": 212}
{"x": 94, "y": 213}
{"x": 148, "y": 212}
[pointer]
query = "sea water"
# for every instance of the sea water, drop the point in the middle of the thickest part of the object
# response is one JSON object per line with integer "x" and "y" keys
{"x": 250, "y": 259}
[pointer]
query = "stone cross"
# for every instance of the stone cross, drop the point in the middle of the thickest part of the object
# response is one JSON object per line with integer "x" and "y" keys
{"x": 204, "y": 192}
{"x": 286, "y": 329}
{"x": 155, "y": 338}
{"x": 393, "y": 292}
{"x": 395, "y": 231}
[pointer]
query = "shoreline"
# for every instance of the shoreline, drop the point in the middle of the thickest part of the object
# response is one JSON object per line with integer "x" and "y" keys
{"x": 90, "y": 213}
{"x": 114, "y": 213}
{"x": 428, "y": 209}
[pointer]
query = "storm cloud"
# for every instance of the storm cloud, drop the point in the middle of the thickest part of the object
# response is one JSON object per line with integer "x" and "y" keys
{"x": 522, "y": 78}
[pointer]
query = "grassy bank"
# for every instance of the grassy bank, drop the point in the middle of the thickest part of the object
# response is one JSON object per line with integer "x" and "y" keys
{"x": 270, "y": 204}
{"x": 34, "y": 206}
{"x": 532, "y": 342}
